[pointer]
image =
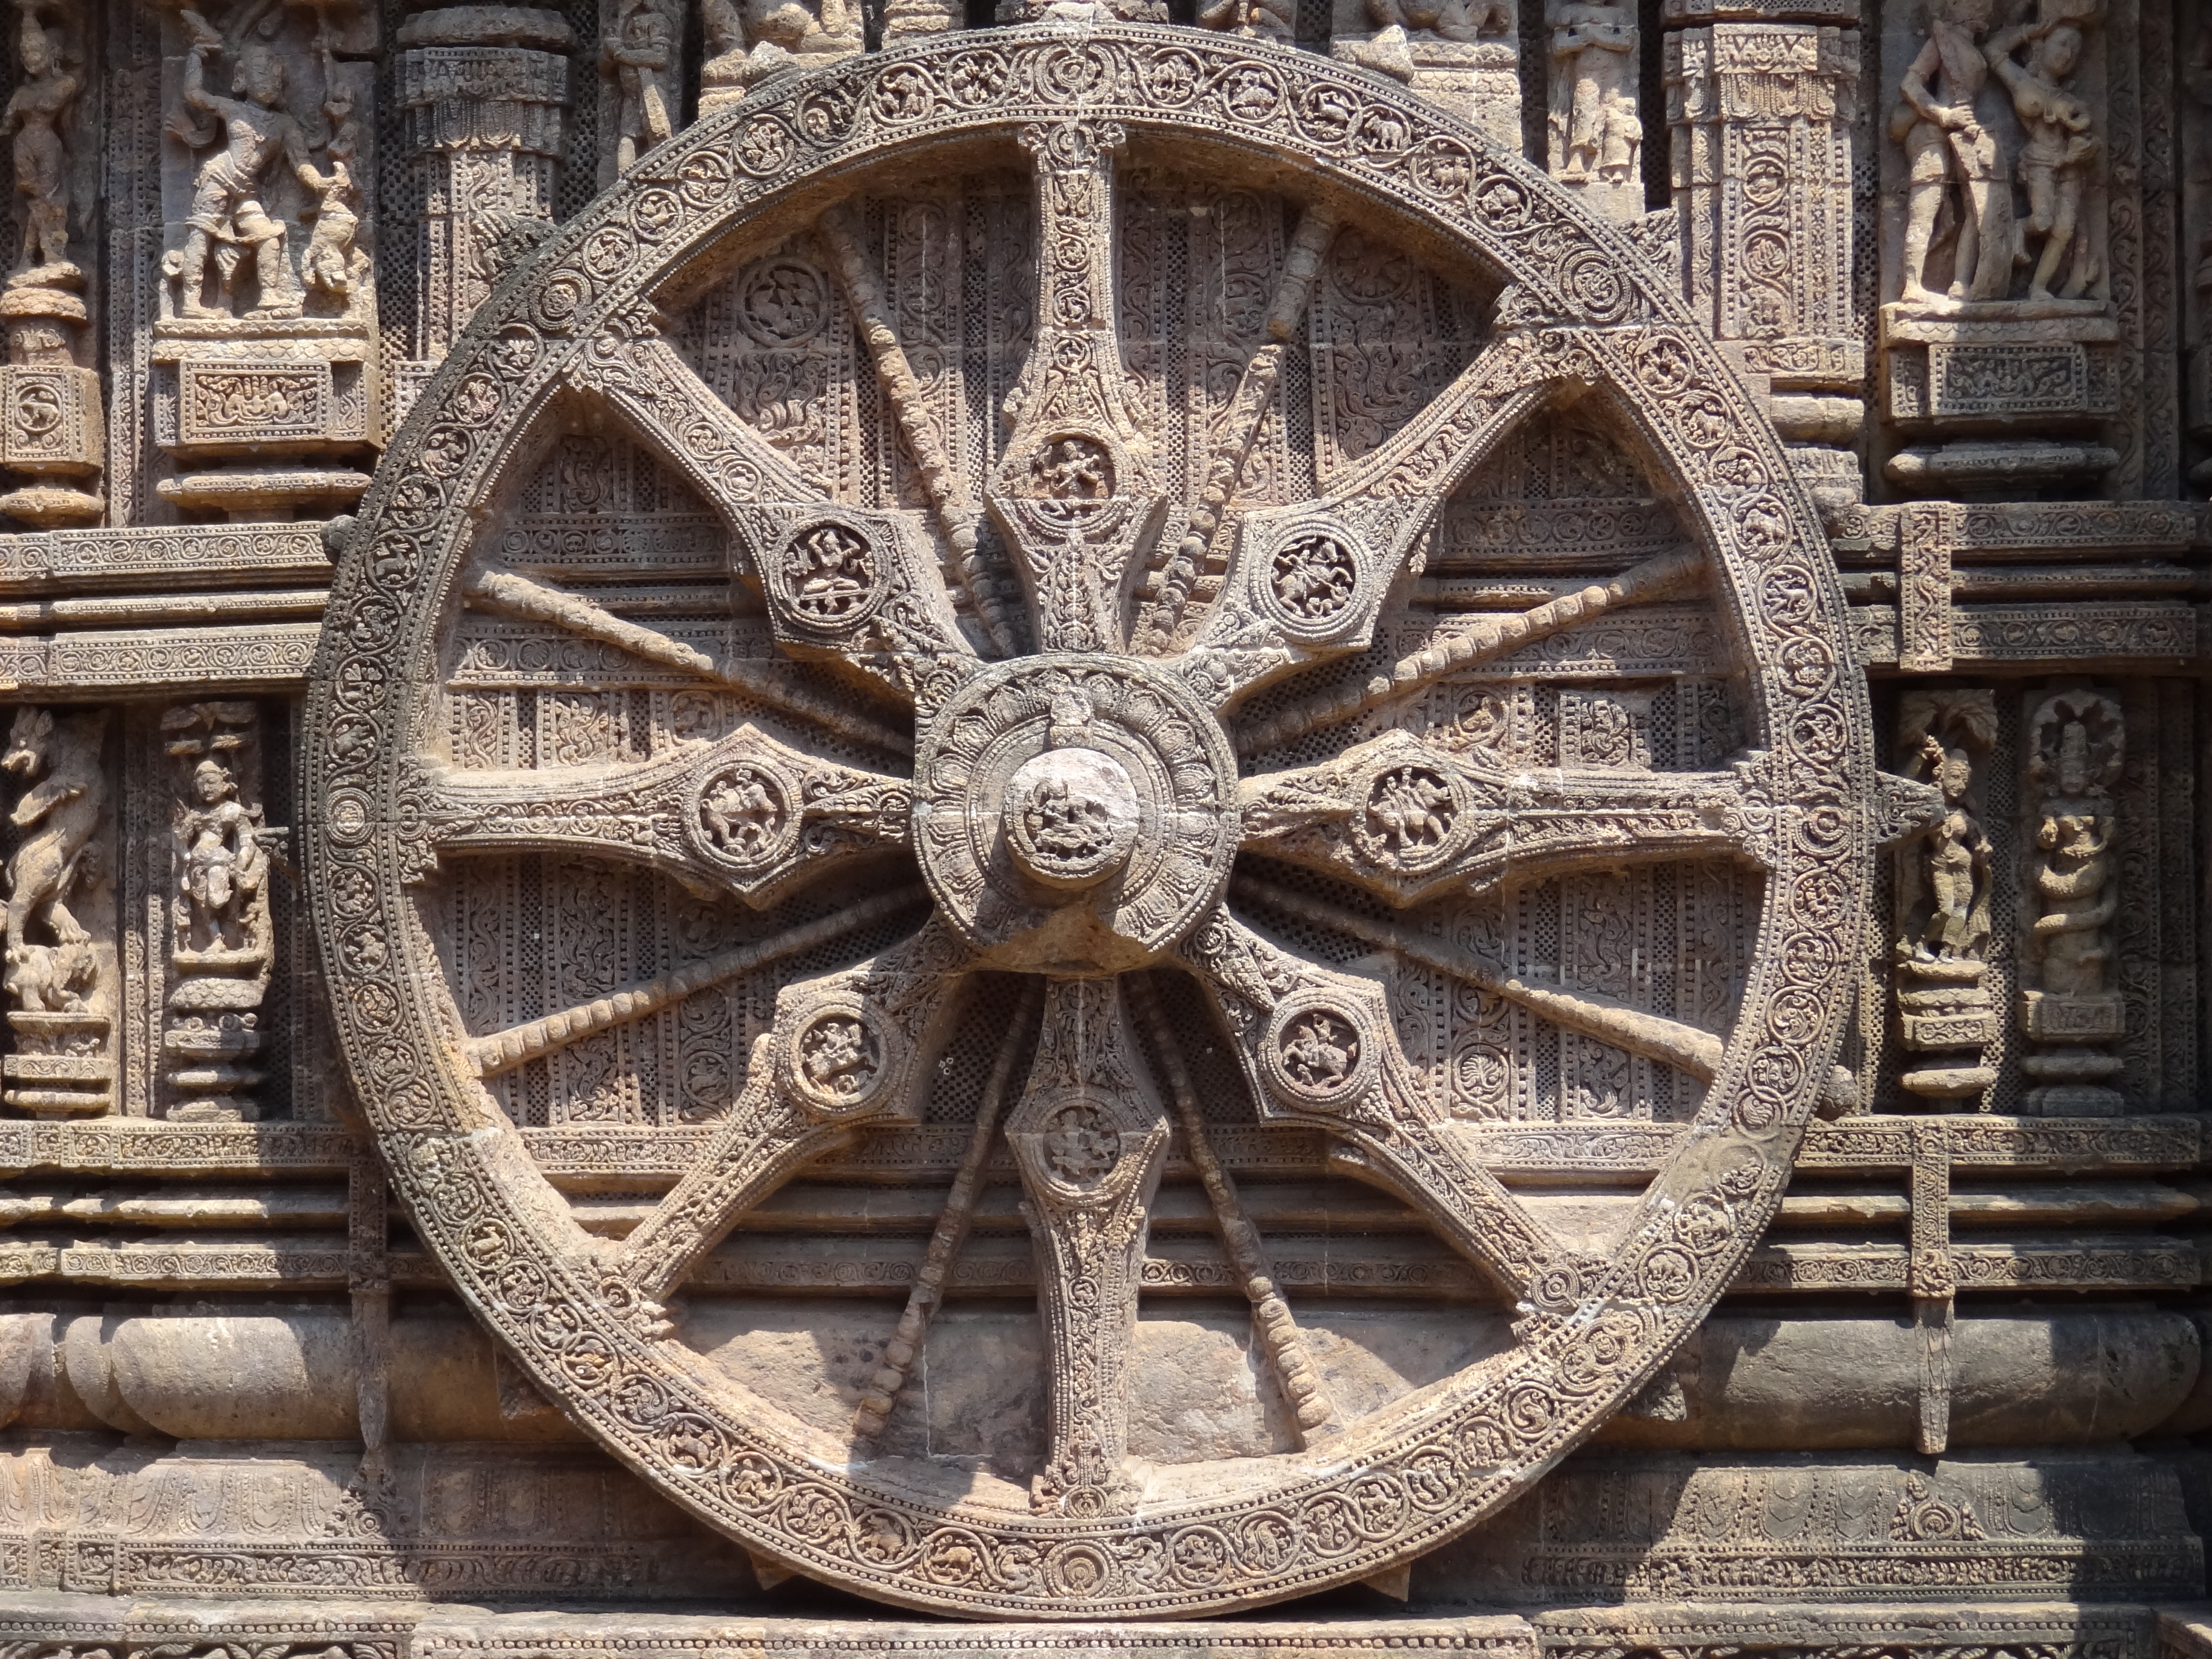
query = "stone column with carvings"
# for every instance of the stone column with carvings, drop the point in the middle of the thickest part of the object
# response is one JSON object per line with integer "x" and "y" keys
{"x": 1760, "y": 115}
{"x": 484, "y": 92}
{"x": 1944, "y": 1009}
{"x": 50, "y": 411}
{"x": 266, "y": 387}
{"x": 2071, "y": 1009}
{"x": 221, "y": 945}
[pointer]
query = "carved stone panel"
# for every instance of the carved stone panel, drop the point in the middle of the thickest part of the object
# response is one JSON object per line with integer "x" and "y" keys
{"x": 1020, "y": 747}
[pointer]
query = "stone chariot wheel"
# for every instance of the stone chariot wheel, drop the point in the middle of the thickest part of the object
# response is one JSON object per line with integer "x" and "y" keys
{"x": 1163, "y": 735}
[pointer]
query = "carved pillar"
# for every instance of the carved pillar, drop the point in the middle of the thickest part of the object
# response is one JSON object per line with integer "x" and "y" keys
{"x": 265, "y": 395}
{"x": 1946, "y": 1016}
{"x": 2004, "y": 335}
{"x": 62, "y": 972}
{"x": 485, "y": 95}
{"x": 221, "y": 945}
{"x": 49, "y": 410}
{"x": 2070, "y": 1008}
{"x": 1760, "y": 115}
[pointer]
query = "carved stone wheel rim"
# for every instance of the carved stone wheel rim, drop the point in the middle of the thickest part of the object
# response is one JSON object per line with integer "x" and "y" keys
{"x": 1582, "y": 304}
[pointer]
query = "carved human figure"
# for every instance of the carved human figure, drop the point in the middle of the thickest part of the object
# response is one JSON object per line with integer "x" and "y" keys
{"x": 1260, "y": 20}
{"x": 751, "y": 41}
{"x": 642, "y": 54}
{"x": 1595, "y": 132}
{"x": 256, "y": 131}
{"x": 2072, "y": 867}
{"x": 1956, "y": 864}
{"x": 221, "y": 863}
{"x": 328, "y": 261}
{"x": 51, "y": 966}
{"x": 2072, "y": 872}
{"x": 2055, "y": 161}
{"x": 35, "y": 112}
{"x": 1954, "y": 159}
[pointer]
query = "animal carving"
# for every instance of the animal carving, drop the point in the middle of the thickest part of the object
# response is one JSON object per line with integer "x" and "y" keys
{"x": 59, "y": 816}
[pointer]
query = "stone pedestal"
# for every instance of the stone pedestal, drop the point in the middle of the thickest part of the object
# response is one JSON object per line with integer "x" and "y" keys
{"x": 281, "y": 413}
{"x": 49, "y": 410}
{"x": 2001, "y": 397}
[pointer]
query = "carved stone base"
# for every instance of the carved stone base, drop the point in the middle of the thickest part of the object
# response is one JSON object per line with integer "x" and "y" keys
{"x": 456, "y": 1632}
{"x": 2054, "y": 1524}
{"x": 63, "y": 1066}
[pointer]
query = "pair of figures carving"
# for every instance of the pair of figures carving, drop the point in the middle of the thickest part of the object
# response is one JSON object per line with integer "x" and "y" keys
{"x": 2076, "y": 764}
{"x": 261, "y": 142}
{"x": 1594, "y": 131}
{"x": 1958, "y": 163}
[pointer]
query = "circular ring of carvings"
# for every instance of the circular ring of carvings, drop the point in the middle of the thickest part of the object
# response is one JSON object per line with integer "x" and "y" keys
{"x": 1392, "y": 1485}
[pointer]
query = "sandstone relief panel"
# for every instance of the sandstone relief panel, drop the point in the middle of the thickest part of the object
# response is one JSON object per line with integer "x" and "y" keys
{"x": 1252, "y": 828}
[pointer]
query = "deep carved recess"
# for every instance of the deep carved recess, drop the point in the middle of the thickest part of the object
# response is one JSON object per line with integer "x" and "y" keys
{"x": 1074, "y": 813}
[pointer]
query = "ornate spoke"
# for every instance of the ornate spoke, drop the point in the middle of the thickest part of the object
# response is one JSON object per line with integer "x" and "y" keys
{"x": 1663, "y": 577}
{"x": 647, "y": 381}
{"x": 1637, "y": 1030}
{"x": 1089, "y": 1138}
{"x": 744, "y": 815}
{"x": 1319, "y": 1048}
{"x": 948, "y": 488}
{"x": 950, "y": 1234}
{"x": 1296, "y": 1374}
{"x": 847, "y": 1048}
{"x": 502, "y": 1051}
{"x": 504, "y": 593}
{"x": 1308, "y": 579}
{"x": 1412, "y": 820}
{"x": 842, "y": 583}
{"x": 1192, "y": 576}
{"x": 1078, "y": 496}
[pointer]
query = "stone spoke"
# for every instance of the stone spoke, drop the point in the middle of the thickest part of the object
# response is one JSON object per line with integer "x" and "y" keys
{"x": 956, "y": 510}
{"x": 842, "y": 583}
{"x": 508, "y": 594}
{"x": 1296, "y": 1374}
{"x": 1193, "y": 577}
{"x": 1089, "y": 1138}
{"x": 647, "y": 381}
{"x": 1411, "y": 820}
{"x": 1078, "y": 496}
{"x": 1689, "y": 1049}
{"x": 502, "y": 1051}
{"x": 1667, "y": 576}
{"x": 1308, "y": 579}
{"x": 950, "y": 1233}
{"x": 1320, "y": 1049}
{"x": 846, "y": 1048}
{"x": 744, "y": 816}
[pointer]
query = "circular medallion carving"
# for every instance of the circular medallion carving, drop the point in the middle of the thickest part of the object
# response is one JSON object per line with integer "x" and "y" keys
{"x": 1056, "y": 774}
{"x": 952, "y": 816}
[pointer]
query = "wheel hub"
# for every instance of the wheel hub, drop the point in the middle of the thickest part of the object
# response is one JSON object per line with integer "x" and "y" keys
{"x": 1074, "y": 813}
